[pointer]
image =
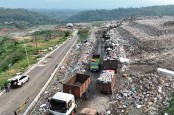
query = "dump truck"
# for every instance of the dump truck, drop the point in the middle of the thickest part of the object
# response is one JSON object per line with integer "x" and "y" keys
{"x": 76, "y": 88}
{"x": 77, "y": 85}
{"x": 106, "y": 81}
{"x": 106, "y": 36}
{"x": 110, "y": 64}
{"x": 95, "y": 63}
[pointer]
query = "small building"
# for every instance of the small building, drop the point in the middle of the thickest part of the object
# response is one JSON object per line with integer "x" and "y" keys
{"x": 69, "y": 25}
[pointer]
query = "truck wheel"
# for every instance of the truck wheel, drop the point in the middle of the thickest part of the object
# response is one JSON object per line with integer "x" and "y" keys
{"x": 74, "y": 110}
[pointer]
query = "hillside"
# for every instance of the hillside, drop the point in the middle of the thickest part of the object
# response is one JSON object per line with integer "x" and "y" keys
{"x": 60, "y": 14}
{"x": 120, "y": 13}
{"x": 22, "y": 18}
{"x": 17, "y": 53}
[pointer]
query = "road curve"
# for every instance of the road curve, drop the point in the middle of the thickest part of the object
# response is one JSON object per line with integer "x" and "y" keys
{"x": 38, "y": 77}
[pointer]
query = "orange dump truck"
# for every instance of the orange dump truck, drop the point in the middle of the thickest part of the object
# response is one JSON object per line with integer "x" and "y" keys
{"x": 110, "y": 64}
{"x": 106, "y": 81}
{"x": 77, "y": 85}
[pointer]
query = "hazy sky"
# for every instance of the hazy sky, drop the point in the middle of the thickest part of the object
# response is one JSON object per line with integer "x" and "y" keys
{"x": 81, "y": 4}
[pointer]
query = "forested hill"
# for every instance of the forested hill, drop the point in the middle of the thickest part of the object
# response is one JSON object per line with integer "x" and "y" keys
{"x": 120, "y": 13}
{"x": 22, "y": 18}
{"x": 60, "y": 14}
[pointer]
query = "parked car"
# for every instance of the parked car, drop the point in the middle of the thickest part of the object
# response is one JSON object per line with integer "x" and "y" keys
{"x": 18, "y": 80}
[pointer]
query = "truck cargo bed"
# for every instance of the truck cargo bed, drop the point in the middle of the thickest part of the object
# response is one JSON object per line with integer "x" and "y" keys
{"x": 77, "y": 85}
{"x": 106, "y": 84}
{"x": 110, "y": 64}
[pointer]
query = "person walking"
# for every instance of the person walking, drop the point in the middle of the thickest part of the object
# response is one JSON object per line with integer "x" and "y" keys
{"x": 7, "y": 87}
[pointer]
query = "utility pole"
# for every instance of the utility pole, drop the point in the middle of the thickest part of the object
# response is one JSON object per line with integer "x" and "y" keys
{"x": 35, "y": 42}
{"x": 26, "y": 53}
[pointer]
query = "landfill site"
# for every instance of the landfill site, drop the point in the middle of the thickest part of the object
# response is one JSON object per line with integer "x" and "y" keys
{"x": 136, "y": 55}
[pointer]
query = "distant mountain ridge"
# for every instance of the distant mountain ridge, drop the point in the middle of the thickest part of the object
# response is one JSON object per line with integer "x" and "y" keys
{"x": 121, "y": 13}
{"x": 22, "y": 18}
{"x": 60, "y": 14}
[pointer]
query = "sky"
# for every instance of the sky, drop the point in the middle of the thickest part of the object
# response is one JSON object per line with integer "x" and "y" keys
{"x": 82, "y": 4}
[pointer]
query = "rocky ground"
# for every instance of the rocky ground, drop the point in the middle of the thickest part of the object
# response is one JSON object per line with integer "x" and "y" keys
{"x": 148, "y": 43}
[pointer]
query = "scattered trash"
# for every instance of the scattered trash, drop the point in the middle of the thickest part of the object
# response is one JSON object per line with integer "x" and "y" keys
{"x": 165, "y": 72}
{"x": 146, "y": 49}
{"x": 124, "y": 60}
{"x": 138, "y": 106}
{"x": 159, "y": 89}
{"x": 43, "y": 105}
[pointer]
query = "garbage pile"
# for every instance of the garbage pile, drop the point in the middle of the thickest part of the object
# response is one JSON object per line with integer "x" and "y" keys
{"x": 87, "y": 50}
{"x": 148, "y": 92}
{"x": 106, "y": 76}
{"x": 79, "y": 56}
{"x": 139, "y": 45}
{"x": 169, "y": 23}
{"x": 114, "y": 46}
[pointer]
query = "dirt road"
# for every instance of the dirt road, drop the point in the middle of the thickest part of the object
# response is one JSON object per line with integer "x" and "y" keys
{"x": 96, "y": 99}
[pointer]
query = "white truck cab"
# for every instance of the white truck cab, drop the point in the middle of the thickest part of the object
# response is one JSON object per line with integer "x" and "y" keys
{"x": 62, "y": 104}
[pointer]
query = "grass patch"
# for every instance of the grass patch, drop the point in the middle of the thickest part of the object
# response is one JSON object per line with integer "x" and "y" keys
{"x": 170, "y": 109}
{"x": 96, "y": 23}
{"x": 13, "y": 57}
{"x": 83, "y": 34}
{"x": 6, "y": 26}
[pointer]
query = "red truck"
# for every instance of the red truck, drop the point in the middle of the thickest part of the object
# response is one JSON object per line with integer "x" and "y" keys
{"x": 106, "y": 81}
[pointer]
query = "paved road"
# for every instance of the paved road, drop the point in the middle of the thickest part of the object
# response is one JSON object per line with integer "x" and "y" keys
{"x": 38, "y": 77}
